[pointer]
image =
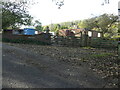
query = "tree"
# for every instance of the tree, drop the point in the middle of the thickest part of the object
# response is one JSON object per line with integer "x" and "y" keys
{"x": 15, "y": 14}
{"x": 106, "y": 23}
{"x": 119, "y": 27}
{"x": 46, "y": 29}
{"x": 64, "y": 27}
{"x": 60, "y": 3}
{"x": 87, "y": 23}
{"x": 38, "y": 25}
{"x": 56, "y": 27}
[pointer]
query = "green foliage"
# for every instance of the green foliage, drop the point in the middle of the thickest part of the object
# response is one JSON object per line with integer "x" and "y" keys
{"x": 63, "y": 25}
{"x": 39, "y": 28}
{"x": 87, "y": 23}
{"x": 54, "y": 27}
{"x": 45, "y": 28}
{"x": 106, "y": 23}
{"x": 102, "y": 55}
{"x": 88, "y": 47}
{"x": 15, "y": 14}
{"x": 117, "y": 36}
{"x": 57, "y": 27}
{"x": 38, "y": 25}
{"x": 119, "y": 27}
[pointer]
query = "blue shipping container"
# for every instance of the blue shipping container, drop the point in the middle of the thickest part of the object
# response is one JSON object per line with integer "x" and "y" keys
{"x": 29, "y": 31}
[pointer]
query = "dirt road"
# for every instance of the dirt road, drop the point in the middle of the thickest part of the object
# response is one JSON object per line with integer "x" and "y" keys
{"x": 26, "y": 69}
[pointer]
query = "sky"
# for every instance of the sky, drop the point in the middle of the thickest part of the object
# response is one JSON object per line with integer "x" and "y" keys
{"x": 47, "y": 12}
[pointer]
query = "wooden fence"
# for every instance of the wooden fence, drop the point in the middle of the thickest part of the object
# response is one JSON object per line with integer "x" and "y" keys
{"x": 68, "y": 41}
{"x": 102, "y": 42}
{"x": 86, "y": 41}
{"x": 60, "y": 40}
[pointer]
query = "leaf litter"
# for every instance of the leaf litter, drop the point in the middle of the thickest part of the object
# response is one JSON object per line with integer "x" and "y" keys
{"x": 102, "y": 61}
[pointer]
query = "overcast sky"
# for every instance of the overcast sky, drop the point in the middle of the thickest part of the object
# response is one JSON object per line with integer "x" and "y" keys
{"x": 47, "y": 12}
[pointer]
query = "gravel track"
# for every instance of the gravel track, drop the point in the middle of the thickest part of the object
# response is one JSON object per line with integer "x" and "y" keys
{"x": 35, "y": 66}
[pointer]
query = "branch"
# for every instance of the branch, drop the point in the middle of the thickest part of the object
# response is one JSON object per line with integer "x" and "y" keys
{"x": 112, "y": 23}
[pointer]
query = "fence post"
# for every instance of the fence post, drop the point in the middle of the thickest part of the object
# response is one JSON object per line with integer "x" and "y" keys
{"x": 85, "y": 39}
{"x": 89, "y": 41}
{"x": 81, "y": 40}
{"x": 119, "y": 49}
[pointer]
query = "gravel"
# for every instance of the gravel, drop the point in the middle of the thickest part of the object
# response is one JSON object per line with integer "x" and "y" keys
{"x": 102, "y": 61}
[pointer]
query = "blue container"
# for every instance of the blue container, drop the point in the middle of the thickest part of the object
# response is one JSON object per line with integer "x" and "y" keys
{"x": 29, "y": 31}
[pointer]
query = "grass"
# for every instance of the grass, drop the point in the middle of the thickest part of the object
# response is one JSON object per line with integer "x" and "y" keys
{"x": 102, "y": 55}
{"x": 88, "y": 48}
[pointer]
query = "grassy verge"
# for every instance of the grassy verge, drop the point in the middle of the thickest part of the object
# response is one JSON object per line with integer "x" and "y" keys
{"x": 101, "y": 55}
